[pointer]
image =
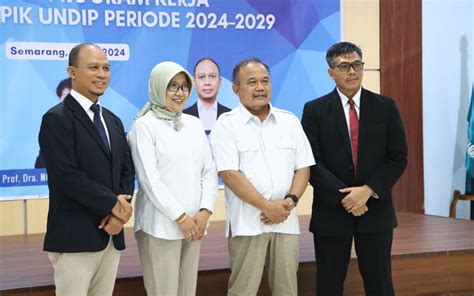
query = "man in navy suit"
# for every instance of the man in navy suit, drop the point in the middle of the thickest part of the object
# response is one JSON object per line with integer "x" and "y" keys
{"x": 90, "y": 180}
{"x": 62, "y": 90}
{"x": 359, "y": 145}
{"x": 207, "y": 79}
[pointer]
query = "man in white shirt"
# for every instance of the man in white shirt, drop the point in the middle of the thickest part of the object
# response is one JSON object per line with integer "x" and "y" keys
{"x": 207, "y": 80}
{"x": 263, "y": 157}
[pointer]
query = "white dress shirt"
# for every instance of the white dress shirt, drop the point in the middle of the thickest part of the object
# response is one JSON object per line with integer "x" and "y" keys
{"x": 267, "y": 154}
{"x": 207, "y": 116}
{"x": 86, "y": 105}
{"x": 175, "y": 171}
{"x": 346, "y": 105}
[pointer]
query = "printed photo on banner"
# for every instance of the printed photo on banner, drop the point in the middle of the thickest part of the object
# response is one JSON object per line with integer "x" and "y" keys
{"x": 207, "y": 37}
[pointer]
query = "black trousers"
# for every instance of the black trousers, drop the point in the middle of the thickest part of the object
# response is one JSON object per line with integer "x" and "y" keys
{"x": 374, "y": 258}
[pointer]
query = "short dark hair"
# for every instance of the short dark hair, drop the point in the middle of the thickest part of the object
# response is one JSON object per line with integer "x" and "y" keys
{"x": 74, "y": 53}
{"x": 341, "y": 49}
{"x": 244, "y": 63}
{"x": 207, "y": 59}
{"x": 65, "y": 83}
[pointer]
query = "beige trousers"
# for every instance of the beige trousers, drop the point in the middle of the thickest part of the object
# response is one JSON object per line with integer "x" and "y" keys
{"x": 169, "y": 266}
{"x": 85, "y": 273}
{"x": 249, "y": 255}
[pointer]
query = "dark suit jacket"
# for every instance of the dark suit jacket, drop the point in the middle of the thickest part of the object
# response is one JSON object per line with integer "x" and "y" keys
{"x": 39, "y": 163}
{"x": 193, "y": 110}
{"x": 382, "y": 158}
{"x": 84, "y": 178}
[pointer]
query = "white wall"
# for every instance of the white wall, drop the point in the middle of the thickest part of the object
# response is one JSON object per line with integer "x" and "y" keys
{"x": 448, "y": 51}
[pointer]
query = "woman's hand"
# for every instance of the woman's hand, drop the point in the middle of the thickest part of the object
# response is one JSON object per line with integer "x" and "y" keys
{"x": 189, "y": 229}
{"x": 201, "y": 219}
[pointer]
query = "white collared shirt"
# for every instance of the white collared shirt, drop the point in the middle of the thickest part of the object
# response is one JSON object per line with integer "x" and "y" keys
{"x": 86, "y": 105}
{"x": 267, "y": 154}
{"x": 207, "y": 116}
{"x": 346, "y": 106}
{"x": 175, "y": 172}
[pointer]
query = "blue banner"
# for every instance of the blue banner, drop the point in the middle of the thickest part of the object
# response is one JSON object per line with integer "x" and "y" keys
{"x": 470, "y": 145}
{"x": 290, "y": 36}
{"x": 27, "y": 177}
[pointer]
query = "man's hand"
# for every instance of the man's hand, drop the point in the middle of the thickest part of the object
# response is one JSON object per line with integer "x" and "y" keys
{"x": 356, "y": 197}
{"x": 359, "y": 211}
{"x": 189, "y": 229}
{"x": 275, "y": 212}
{"x": 111, "y": 224}
{"x": 201, "y": 219}
{"x": 123, "y": 210}
{"x": 289, "y": 204}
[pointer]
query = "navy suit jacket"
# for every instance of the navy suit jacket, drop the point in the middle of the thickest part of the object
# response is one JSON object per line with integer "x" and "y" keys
{"x": 84, "y": 178}
{"x": 382, "y": 158}
{"x": 193, "y": 110}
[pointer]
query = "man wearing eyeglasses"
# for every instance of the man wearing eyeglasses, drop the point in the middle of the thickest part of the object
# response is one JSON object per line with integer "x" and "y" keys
{"x": 359, "y": 145}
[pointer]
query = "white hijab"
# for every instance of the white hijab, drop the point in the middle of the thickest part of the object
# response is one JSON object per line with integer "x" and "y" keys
{"x": 160, "y": 77}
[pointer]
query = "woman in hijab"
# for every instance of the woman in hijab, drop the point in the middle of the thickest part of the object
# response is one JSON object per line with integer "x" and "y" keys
{"x": 177, "y": 184}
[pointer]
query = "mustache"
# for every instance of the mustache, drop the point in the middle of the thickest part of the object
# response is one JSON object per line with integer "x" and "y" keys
{"x": 260, "y": 93}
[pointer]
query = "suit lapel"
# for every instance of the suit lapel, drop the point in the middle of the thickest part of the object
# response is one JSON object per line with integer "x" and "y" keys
{"x": 219, "y": 110}
{"x": 193, "y": 110}
{"x": 82, "y": 116}
{"x": 364, "y": 119}
{"x": 338, "y": 113}
{"x": 114, "y": 136}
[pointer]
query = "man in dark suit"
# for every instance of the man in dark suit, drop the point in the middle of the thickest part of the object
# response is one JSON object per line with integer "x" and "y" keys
{"x": 62, "y": 90}
{"x": 207, "y": 80}
{"x": 359, "y": 145}
{"x": 90, "y": 180}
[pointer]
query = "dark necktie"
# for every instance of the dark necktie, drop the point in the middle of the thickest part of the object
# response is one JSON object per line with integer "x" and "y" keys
{"x": 354, "y": 129}
{"x": 99, "y": 126}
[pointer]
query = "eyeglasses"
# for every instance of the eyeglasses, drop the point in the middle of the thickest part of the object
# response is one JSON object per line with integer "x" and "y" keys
{"x": 174, "y": 87}
{"x": 345, "y": 67}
